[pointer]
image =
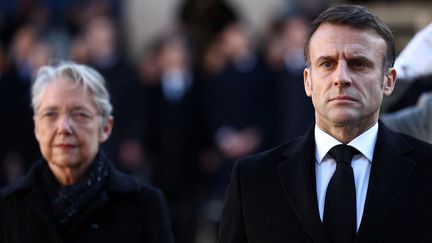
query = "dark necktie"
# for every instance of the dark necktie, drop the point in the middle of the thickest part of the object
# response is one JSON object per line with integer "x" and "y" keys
{"x": 340, "y": 202}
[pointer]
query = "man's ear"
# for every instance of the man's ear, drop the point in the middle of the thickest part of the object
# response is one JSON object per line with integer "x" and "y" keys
{"x": 307, "y": 81}
{"x": 389, "y": 81}
{"x": 106, "y": 130}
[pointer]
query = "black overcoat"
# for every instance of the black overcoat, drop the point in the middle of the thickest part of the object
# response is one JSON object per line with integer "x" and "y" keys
{"x": 125, "y": 211}
{"x": 272, "y": 196}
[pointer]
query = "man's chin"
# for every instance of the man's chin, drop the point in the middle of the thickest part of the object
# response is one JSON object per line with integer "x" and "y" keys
{"x": 345, "y": 119}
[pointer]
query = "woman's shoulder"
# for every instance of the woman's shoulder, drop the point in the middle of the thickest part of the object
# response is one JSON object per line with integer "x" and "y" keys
{"x": 120, "y": 182}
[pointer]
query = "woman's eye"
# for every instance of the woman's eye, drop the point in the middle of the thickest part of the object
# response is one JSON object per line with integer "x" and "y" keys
{"x": 49, "y": 114}
{"x": 81, "y": 116}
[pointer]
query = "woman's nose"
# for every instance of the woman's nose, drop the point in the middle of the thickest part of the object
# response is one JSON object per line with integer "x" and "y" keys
{"x": 65, "y": 124}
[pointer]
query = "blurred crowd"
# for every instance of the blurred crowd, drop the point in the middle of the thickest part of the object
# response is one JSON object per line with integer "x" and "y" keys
{"x": 202, "y": 94}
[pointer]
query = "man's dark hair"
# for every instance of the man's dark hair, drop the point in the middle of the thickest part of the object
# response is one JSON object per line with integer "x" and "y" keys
{"x": 357, "y": 17}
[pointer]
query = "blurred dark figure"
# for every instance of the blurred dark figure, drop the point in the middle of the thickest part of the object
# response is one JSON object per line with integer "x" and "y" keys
{"x": 103, "y": 52}
{"x": 236, "y": 101}
{"x": 414, "y": 67}
{"x": 78, "y": 50}
{"x": 415, "y": 120}
{"x": 4, "y": 65}
{"x": 294, "y": 112}
{"x": 412, "y": 94}
{"x": 412, "y": 113}
{"x": 20, "y": 148}
{"x": 203, "y": 20}
{"x": 14, "y": 14}
{"x": 310, "y": 9}
{"x": 79, "y": 12}
{"x": 174, "y": 138}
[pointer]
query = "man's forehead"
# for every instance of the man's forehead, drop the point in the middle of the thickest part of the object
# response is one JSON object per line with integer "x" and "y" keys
{"x": 334, "y": 39}
{"x": 327, "y": 30}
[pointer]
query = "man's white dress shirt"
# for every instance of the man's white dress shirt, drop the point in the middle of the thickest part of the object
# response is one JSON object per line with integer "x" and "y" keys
{"x": 325, "y": 165}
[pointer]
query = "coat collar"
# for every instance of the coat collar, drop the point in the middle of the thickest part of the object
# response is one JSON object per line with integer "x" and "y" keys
{"x": 117, "y": 182}
{"x": 27, "y": 187}
{"x": 389, "y": 174}
{"x": 297, "y": 175}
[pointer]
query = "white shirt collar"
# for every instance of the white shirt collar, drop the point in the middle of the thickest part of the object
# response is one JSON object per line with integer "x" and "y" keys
{"x": 365, "y": 143}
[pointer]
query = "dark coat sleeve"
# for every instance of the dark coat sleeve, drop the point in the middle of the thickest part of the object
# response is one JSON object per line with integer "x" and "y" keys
{"x": 232, "y": 224}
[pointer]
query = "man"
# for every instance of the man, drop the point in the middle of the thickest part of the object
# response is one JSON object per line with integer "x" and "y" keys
{"x": 290, "y": 193}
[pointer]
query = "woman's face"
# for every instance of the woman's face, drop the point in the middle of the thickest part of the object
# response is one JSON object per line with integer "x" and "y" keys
{"x": 68, "y": 125}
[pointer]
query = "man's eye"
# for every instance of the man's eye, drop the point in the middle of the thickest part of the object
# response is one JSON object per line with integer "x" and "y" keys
{"x": 326, "y": 64}
{"x": 358, "y": 64}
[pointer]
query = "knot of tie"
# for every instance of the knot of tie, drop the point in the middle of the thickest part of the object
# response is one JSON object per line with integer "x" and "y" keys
{"x": 343, "y": 153}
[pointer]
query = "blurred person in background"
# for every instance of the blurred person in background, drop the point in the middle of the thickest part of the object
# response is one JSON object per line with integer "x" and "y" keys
{"x": 236, "y": 97}
{"x": 203, "y": 20}
{"x": 78, "y": 50}
{"x": 104, "y": 53}
{"x": 28, "y": 53}
{"x": 78, "y": 13}
{"x": 3, "y": 141}
{"x": 74, "y": 193}
{"x": 173, "y": 139}
{"x": 285, "y": 60}
{"x": 414, "y": 65}
{"x": 413, "y": 120}
{"x": 309, "y": 8}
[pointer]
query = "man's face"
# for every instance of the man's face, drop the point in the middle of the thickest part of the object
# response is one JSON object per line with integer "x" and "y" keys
{"x": 345, "y": 78}
{"x": 68, "y": 126}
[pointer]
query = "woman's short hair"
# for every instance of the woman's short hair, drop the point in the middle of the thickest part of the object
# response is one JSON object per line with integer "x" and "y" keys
{"x": 83, "y": 75}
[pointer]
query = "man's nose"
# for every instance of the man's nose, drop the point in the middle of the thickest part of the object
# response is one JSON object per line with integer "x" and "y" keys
{"x": 342, "y": 75}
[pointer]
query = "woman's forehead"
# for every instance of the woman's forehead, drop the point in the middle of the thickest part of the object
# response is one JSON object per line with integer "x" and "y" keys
{"x": 63, "y": 92}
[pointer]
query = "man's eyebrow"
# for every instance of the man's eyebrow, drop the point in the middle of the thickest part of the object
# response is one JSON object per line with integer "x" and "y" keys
{"x": 353, "y": 58}
{"x": 360, "y": 58}
{"x": 324, "y": 58}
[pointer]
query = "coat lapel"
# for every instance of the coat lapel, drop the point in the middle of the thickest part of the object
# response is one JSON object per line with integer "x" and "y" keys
{"x": 389, "y": 174}
{"x": 37, "y": 202}
{"x": 297, "y": 175}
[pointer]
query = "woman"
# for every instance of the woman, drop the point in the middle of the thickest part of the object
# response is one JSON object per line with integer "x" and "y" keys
{"x": 74, "y": 194}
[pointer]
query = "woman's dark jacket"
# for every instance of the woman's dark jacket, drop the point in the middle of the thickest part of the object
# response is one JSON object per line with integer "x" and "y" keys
{"x": 125, "y": 211}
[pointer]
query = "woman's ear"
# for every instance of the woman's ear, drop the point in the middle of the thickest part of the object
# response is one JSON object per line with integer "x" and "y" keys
{"x": 106, "y": 130}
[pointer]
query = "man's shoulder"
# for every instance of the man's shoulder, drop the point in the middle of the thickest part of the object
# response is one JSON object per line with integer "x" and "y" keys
{"x": 407, "y": 146}
{"x": 272, "y": 157}
{"x": 418, "y": 147}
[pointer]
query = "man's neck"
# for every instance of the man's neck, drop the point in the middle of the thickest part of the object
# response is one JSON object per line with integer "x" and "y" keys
{"x": 346, "y": 133}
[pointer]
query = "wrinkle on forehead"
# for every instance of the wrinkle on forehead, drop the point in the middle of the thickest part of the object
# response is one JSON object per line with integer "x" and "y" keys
{"x": 348, "y": 42}
{"x": 67, "y": 94}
